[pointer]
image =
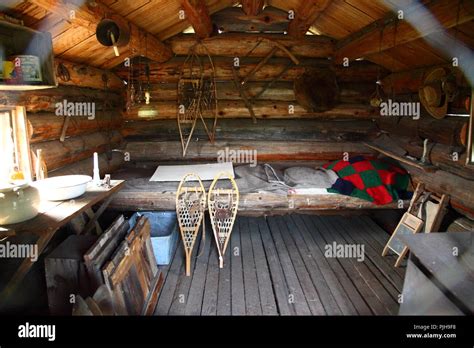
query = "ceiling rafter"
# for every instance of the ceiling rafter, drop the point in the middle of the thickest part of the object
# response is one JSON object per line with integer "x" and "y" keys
{"x": 89, "y": 16}
{"x": 252, "y": 7}
{"x": 197, "y": 14}
{"x": 305, "y": 16}
{"x": 391, "y": 32}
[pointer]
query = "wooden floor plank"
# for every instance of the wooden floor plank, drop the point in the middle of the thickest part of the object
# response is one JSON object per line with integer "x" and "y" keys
{"x": 267, "y": 297}
{"x": 357, "y": 270}
{"x": 376, "y": 280}
{"x": 353, "y": 234}
{"x": 224, "y": 303}
{"x": 178, "y": 305}
{"x": 211, "y": 288}
{"x": 309, "y": 290}
{"x": 169, "y": 287}
{"x": 337, "y": 289}
{"x": 351, "y": 290}
{"x": 280, "y": 286}
{"x": 327, "y": 298}
{"x": 237, "y": 276}
{"x": 296, "y": 294}
{"x": 277, "y": 266}
{"x": 196, "y": 290}
{"x": 373, "y": 230}
{"x": 252, "y": 296}
{"x": 365, "y": 232}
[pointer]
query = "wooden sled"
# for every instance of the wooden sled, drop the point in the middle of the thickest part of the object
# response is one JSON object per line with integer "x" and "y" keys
{"x": 223, "y": 202}
{"x": 190, "y": 208}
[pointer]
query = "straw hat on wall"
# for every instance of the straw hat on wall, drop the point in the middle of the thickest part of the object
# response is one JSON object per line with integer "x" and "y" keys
{"x": 437, "y": 91}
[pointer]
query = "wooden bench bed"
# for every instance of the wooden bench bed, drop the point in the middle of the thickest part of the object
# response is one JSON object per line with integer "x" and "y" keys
{"x": 141, "y": 194}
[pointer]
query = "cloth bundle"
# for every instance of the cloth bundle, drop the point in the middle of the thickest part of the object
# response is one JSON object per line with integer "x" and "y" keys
{"x": 371, "y": 179}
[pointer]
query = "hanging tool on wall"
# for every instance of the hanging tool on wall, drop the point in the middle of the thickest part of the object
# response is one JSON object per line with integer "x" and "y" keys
{"x": 197, "y": 95}
{"x": 240, "y": 84}
{"x": 130, "y": 88}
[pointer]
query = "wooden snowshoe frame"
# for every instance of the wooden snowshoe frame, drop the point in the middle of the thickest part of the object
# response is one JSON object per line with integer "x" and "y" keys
{"x": 223, "y": 204}
{"x": 197, "y": 94}
{"x": 190, "y": 209}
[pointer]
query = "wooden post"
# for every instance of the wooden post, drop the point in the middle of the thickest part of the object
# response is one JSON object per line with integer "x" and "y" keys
{"x": 198, "y": 15}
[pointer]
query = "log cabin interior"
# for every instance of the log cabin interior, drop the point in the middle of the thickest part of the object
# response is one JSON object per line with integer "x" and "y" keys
{"x": 223, "y": 157}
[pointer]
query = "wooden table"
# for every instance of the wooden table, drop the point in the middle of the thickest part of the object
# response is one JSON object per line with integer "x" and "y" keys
{"x": 52, "y": 217}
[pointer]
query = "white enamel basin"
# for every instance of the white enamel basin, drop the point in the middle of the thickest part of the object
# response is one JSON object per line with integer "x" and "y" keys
{"x": 61, "y": 188}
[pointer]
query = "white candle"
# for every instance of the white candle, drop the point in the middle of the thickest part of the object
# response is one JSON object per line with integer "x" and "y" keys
{"x": 96, "y": 178}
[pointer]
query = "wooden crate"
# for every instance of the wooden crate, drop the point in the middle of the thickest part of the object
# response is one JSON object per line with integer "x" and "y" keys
{"x": 66, "y": 274}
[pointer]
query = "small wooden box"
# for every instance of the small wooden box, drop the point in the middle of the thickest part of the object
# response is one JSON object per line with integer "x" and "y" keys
{"x": 66, "y": 273}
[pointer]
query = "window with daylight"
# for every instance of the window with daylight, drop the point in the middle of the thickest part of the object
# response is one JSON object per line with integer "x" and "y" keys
{"x": 14, "y": 145}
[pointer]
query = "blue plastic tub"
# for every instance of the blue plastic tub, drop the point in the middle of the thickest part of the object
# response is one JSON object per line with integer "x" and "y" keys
{"x": 164, "y": 233}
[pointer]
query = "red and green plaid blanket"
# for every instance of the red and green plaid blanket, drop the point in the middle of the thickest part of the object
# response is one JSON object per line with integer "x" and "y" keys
{"x": 370, "y": 179}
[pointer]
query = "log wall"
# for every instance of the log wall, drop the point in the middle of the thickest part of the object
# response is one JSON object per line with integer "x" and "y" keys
{"x": 84, "y": 136}
{"x": 285, "y": 130}
{"x": 152, "y": 134}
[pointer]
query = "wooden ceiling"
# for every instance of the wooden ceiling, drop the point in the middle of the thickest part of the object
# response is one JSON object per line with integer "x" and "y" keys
{"x": 341, "y": 20}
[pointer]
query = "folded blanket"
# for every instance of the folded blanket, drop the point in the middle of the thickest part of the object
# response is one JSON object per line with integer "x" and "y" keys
{"x": 374, "y": 180}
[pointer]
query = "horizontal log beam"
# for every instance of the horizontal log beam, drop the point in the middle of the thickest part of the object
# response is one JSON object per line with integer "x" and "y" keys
{"x": 275, "y": 130}
{"x": 416, "y": 24}
{"x": 449, "y": 131}
{"x": 108, "y": 163}
{"x": 81, "y": 75}
{"x": 46, "y": 99}
{"x": 89, "y": 17}
{"x": 406, "y": 82}
{"x": 233, "y": 19}
{"x": 262, "y": 109}
{"x": 48, "y": 126}
{"x": 170, "y": 71}
{"x": 59, "y": 154}
{"x": 279, "y": 91}
{"x": 239, "y": 45}
{"x": 130, "y": 199}
{"x": 266, "y": 150}
{"x": 441, "y": 156}
{"x": 460, "y": 190}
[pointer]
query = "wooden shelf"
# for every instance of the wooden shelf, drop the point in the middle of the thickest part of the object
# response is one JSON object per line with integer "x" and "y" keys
{"x": 429, "y": 168}
{"x": 20, "y": 40}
